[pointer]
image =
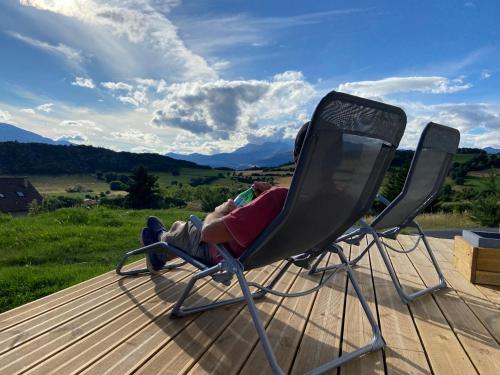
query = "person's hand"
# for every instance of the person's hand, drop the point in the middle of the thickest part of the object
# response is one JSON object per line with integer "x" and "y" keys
{"x": 261, "y": 186}
{"x": 226, "y": 207}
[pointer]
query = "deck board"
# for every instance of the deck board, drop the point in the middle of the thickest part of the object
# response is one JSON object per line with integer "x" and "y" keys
{"x": 120, "y": 325}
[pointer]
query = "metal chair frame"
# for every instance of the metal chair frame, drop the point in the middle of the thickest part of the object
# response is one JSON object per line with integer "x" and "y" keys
{"x": 224, "y": 271}
{"x": 356, "y": 236}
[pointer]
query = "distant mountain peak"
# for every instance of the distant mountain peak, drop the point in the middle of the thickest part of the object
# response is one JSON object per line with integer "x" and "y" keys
{"x": 492, "y": 150}
{"x": 9, "y": 132}
{"x": 267, "y": 154}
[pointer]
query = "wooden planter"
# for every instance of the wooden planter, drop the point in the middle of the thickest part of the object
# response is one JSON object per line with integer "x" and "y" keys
{"x": 478, "y": 264}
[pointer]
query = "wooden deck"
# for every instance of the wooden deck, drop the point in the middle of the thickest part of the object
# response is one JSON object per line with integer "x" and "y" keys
{"x": 120, "y": 325}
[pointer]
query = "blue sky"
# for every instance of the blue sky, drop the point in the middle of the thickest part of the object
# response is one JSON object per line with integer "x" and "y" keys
{"x": 210, "y": 76}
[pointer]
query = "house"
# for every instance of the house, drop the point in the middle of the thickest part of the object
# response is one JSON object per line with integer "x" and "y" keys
{"x": 16, "y": 194}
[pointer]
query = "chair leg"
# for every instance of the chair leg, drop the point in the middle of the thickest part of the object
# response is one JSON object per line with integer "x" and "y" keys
{"x": 158, "y": 246}
{"x": 377, "y": 341}
{"x": 179, "y": 311}
{"x": 405, "y": 296}
{"x": 259, "y": 326}
{"x": 316, "y": 269}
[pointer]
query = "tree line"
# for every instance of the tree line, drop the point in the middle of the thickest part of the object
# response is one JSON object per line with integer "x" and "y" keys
{"x": 39, "y": 158}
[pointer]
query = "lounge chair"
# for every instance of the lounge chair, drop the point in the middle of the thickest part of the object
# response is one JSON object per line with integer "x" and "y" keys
{"x": 426, "y": 175}
{"x": 347, "y": 150}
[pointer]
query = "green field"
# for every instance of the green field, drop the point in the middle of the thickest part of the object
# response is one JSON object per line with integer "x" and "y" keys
{"x": 45, "y": 253}
{"x": 57, "y": 185}
{"x": 463, "y": 158}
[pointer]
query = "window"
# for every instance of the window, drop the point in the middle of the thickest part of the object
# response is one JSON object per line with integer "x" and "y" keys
{"x": 20, "y": 194}
{"x": 2, "y": 196}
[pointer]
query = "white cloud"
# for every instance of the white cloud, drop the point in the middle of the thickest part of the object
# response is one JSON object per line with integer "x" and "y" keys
{"x": 83, "y": 82}
{"x": 221, "y": 108}
{"x": 137, "y": 137}
{"x": 117, "y": 86}
{"x": 143, "y": 23}
{"x": 73, "y": 57}
{"x": 211, "y": 33}
{"x": 74, "y": 138}
{"x": 393, "y": 85}
{"x": 466, "y": 117}
{"x": 485, "y": 74}
{"x": 82, "y": 124}
{"x": 30, "y": 111}
{"x": 129, "y": 100}
{"x": 47, "y": 107}
{"x": 5, "y": 115}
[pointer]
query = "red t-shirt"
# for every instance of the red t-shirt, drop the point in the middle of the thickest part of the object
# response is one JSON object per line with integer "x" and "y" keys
{"x": 247, "y": 222}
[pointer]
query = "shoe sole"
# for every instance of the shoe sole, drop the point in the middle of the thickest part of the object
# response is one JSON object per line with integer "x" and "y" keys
{"x": 149, "y": 265}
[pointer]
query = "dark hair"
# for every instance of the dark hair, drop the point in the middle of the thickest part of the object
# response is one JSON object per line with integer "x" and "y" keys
{"x": 299, "y": 141}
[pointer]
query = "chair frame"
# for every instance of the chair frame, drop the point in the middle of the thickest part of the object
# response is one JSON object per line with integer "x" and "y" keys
{"x": 223, "y": 273}
{"x": 374, "y": 129}
{"x": 356, "y": 236}
{"x": 365, "y": 229}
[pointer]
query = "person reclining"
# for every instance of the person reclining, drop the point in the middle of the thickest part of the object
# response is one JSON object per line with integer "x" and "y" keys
{"x": 235, "y": 227}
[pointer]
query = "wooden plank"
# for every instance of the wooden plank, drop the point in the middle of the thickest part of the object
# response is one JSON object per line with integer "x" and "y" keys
{"x": 488, "y": 260}
{"x": 473, "y": 295}
{"x": 165, "y": 332}
{"x": 357, "y": 329}
{"x": 233, "y": 347}
{"x": 285, "y": 329}
{"x": 488, "y": 278}
{"x": 465, "y": 258}
{"x": 480, "y": 346}
{"x": 45, "y": 304}
{"x": 404, "y": 352}
{"x": 321, "y": 341}
{"x": 492, "y": 293}
{"x": 20, "y": 334}
{"x": 48, "y": 345}
{"x": 441, "y": 345}
{"x": 225, "y": 345}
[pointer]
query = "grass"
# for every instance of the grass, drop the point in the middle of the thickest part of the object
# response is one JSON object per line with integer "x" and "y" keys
{"x": 57, "y": 185}
{"x": 42, "y": 254}
{"x": 445, "y": 221}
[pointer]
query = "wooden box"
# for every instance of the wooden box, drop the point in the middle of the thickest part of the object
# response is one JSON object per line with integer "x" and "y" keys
{"x": 478, "y": 264}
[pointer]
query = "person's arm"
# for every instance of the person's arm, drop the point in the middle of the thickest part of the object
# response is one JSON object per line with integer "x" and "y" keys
{"x": 261, "y": 186}
{"x": 214, "y": 230}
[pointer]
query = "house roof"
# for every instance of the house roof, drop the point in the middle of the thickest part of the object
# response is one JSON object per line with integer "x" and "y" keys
{"x": 16, "y": 193}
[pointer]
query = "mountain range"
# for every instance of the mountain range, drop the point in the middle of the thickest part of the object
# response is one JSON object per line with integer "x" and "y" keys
{"x": 10, "y": 132}
{"x": 492, "y": 150}
{"x": 268, "y": 154}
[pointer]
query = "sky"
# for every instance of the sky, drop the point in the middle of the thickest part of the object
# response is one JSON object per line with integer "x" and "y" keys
{"x": 210, "y": 76}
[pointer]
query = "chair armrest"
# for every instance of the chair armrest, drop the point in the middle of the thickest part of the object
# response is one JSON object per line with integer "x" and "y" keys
{"x": 383, "y": 199}
{"x": 196, "y": 221}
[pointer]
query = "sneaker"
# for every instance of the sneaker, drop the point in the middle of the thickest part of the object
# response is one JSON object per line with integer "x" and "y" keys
{"x": 154, "y": 260}
{"x": 156, "y": 227}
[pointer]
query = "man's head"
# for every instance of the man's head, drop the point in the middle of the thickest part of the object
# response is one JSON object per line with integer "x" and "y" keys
{"x": 299, "y": 141}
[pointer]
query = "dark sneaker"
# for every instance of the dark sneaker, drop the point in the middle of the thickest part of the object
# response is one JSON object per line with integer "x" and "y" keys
{"x": 156, "y": 227}
{"x": 154, "y": 260}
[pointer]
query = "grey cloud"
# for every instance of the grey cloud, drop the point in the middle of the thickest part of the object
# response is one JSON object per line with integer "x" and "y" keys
{"x": 220, "y": 108}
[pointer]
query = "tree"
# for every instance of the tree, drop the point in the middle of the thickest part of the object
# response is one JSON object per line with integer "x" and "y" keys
{"x": 143, "y": 191}
{"x": 486, "y": 210}
{"x": 395, "y": 181}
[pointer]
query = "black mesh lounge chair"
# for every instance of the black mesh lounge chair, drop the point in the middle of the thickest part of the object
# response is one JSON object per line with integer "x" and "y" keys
{"x": 347, "y": 150}
{"x": 426, "y": 175}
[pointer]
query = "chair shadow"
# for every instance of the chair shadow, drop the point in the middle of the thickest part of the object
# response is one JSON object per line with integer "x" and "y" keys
{"x": 186, "y": 332}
